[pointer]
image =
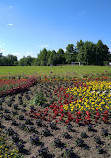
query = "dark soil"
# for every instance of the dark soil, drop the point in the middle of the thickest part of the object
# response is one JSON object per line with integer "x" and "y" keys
{"x": 86, "y": 146}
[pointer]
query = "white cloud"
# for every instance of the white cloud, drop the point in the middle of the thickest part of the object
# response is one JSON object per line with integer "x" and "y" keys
{"x": 43, "y": 46}
{"x": 15, "y": 53}
{"x": 2, "y": 50}
{"x": 110, "y": 50}
{"x": 64, "y": 50}
{"x": 10, "y": 24}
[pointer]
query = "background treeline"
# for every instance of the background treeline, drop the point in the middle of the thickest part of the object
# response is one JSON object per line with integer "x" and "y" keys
{"x": 87, "y": 53}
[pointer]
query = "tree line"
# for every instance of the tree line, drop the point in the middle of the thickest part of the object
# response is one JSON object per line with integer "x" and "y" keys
{"x": 87, "y": 53}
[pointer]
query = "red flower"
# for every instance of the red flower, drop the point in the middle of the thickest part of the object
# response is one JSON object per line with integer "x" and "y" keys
{"x": 67, "y": 122}
{"x": 97, "y": 114}
{"x": 77, "y": 120}
{"x": 60, "y": 118}
{"x": 105, "y": 119}
{"x": 61, "y": 106}
{"x": 46, "y": 109}
{"x": 87, "y": 117}
{"x": 62, "y": 115}
{"x": 78, "y": 113}
{"x": 69, "y": 114}
{"x": 87, "y": 112}
{"x": 106, "y": 112}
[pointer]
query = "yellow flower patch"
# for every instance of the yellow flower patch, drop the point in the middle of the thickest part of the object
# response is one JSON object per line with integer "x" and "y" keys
{"x": 96, "y": 95}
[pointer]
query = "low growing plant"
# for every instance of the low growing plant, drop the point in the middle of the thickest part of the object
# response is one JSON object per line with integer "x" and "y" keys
{"x": 38, "y": 99}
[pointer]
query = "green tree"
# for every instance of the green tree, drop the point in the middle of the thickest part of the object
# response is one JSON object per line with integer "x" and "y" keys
{"x": 71, "y": 54}
{"x": 86, "y": 52}
{"x": 11, "y": 59}
{"x": 52, "y": 60}
{"x": 102, "y": 53}
{"x": 61, "y": 56}
{"x": 23, "y": 61}
{"x": 47, "y": 57}
{"x": 3, "y": 61}
{"x": 29, "y": 60}
{"x": 43, "y": 57}
{"x": 79, "y": 44}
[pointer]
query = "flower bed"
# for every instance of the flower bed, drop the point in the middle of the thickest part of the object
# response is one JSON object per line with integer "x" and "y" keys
{"x": 11, "y": 86}
{"x": 60, "y": 119}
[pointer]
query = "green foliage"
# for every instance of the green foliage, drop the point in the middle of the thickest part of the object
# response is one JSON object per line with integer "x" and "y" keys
{"x": 106, "y": 63}
{"x": 8, "y": 60}
{"x": 38, "y": 99}
{"x": 71, "y": 54}
{"x": 26, "y": 61}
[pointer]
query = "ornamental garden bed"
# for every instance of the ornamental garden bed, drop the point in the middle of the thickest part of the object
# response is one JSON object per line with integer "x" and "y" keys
{"x": 58, "y": 118}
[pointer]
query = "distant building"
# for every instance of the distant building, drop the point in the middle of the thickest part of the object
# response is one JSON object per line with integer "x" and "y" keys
{"x": 109, "y": 63}
{"x": 76, "y": 63}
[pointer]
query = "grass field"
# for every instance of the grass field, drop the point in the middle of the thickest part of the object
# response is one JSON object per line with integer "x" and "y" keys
{"x": 56, "y": 70}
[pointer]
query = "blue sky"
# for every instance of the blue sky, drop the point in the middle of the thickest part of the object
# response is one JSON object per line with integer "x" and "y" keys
{"x": 27, "y": 26}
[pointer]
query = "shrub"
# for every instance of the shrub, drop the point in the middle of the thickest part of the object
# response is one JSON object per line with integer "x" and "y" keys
{"x": 38, "y": 99}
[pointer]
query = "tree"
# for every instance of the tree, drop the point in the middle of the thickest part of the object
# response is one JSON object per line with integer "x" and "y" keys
{"x": 61, "y": 57}
{"x": 79, "y": 44}
{"x": 3, "y": 61}
{"x": 11, "y": 59}
{"x": 102, "y": 53}
{"x": 71, "y": 54}
{"x": 47, "y": 57}
{"x": 86, "y": 52}
{"x": 43, "y": 57}
{"x": 52, "y": 60}
{"x": 29, "y": 60}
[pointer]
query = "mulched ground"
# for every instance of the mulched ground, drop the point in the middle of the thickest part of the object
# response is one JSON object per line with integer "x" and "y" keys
{"x": 90, "y": 147}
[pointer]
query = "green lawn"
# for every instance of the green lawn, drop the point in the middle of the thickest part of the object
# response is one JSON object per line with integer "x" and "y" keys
{"x": 57, "y": 70}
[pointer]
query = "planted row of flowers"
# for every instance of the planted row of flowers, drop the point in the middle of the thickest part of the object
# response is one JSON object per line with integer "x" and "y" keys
{"x": 11, "y": 86}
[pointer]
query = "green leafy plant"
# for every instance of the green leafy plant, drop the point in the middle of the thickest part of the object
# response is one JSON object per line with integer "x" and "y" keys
{"x": 79, "y": 142}
{"x": 28, "y": 122}
{"x": 104, "y": 132}
{"x": 38, "y": 99}
{"x": 97, "y": 139}
{"x": 14, "y": 122}
{"x": 46, "y": 132}
{"x": 68, "y": 153}
{"x": 57, "y": 143}
{"x": 7, "y": 117}
{"x": 39, "y": 123}
{"x": 10, "y": 131}
{"x": 99, "y": 150}
{"x": 7, "y": 111}
{"x": 53, "y": 126}
{"x": 35, "y": 139}
{"x": 21, "y": 117}
{"x": 20, "y": 146}
{"x": 83, "y": 135}
{"x": 1, "y": 108}
{"x": 43, "y": 152}
{"x": 66, "y": 135}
